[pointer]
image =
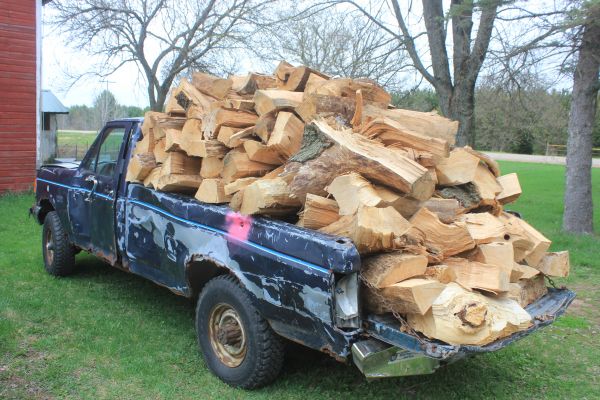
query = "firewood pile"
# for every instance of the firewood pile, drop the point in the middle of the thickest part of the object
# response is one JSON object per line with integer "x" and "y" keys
{"x": 330, "y": 154}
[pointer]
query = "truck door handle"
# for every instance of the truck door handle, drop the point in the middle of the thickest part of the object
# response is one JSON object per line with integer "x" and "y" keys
{"x": 93, "y": 179}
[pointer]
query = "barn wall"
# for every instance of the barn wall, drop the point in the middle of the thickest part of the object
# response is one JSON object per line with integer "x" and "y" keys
{"x": 18, "y": 94}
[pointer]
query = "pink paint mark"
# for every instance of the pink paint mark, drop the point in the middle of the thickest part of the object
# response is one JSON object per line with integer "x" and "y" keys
{"x": 238, "y": 225}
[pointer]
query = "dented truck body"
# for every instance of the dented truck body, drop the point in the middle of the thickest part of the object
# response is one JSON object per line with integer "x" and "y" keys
{"x": 304, "y": 283}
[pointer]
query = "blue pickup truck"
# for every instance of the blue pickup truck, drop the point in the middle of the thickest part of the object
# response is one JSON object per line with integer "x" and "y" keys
{"x": 276, "y": 281}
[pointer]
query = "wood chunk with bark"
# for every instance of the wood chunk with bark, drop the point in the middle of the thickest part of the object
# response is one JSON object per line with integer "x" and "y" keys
{"x": 555, "y": 264}
{"x": 237, "y": 165}
{"x": 318, "y": 212}
{"x": 459, "y": 168}
{"x": 489, "y": 162}
{"x": 238, "y": 185}
{"x": 269, "y": 197}
{"x": 286, "y": 135}
{"x": 250, "y": 83}
{"x": 314, "y": 105}
{"x": 206, "y": 148}
{"x": 486, "y": 184}
{"x": 371, "y": 229}
{"x": 346, "y": 88}
{"x": 226, "y": 117}
{"x": 181, "y": 164}
{"x": 262, "y": 153}
{"x": 275, "y": 100}
{"x": 160, "y": 155}
{"x": 425, "y": 123}
{"x": 264, "y": 125}
{"x": 172, "y": 107}
{"x": 327, "y": 153}
{"x": 140, "y": 167}
{"x": 191, "y": 100}
{"x": 526, "y": 291}
{"x": 212, "y": 191}
{"x": 225, "y": 134}
{"x": 484, "y": 227}
{"x": 476, "y": 275}
{"x": 282, "y": 72}
{"x": 414, "y": 295}
{"x": 444, "y": 239}
{"x": 173, "y": 140}
{"x": 152, "y": 179}
{"x": 352, "y": 191}
{"x": 386, "y": 269}
{"x": 458, "y": 316}
{"x": 404, "y": 204}
{"x": 447, "y": 210}
{"x": 392, "y": 133}
{"x": 296, "y": 78}
{"x": 211, "y": 167}
{"x": 529, "y": 244}
{"x": 211, "y": 85}
{"x": 511, "y": 188}
{"x": 176, "y": 183}
{"x": 500, "y": 254}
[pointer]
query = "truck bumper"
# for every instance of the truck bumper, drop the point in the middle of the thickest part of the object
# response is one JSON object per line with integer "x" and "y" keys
{"x": 390, "y": 352}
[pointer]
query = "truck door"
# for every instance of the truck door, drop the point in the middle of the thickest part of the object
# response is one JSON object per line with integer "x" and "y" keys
{"x": 99, "y": 175}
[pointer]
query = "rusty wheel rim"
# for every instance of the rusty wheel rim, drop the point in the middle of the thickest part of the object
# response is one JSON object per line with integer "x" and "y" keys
{"x": 49, "y": 247}
{"x": 227, "y": 335}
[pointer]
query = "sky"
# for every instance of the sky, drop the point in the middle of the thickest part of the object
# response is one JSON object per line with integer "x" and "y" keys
{"x": 127, "y": 84}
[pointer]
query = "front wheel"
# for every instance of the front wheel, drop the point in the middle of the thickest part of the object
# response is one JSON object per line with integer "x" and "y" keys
{"x": 237, "y": 344}
{"x": 59, "y": 253}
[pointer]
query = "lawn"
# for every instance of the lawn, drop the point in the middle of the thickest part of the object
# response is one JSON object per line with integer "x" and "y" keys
{"x": 74, "y": 143}
{"x": 106, "y": 334}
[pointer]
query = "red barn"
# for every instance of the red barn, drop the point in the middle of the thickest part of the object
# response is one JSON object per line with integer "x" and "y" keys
{"x": 20, "y": 40}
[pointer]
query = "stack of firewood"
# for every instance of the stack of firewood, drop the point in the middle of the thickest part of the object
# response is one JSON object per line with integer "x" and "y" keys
{"x": 332, "y": 155}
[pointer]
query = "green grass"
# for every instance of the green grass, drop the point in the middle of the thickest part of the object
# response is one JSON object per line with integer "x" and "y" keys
{"x": 74, "y": 143}
{"x": 106, "y": 334}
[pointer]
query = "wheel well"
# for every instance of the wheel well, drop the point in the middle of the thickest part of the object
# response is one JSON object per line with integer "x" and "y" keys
{"x": 45, "y": 208}
{"x": 200, "y": 271}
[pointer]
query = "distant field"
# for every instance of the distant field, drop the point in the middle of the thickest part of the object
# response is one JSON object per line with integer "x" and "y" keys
{"x": 74, "y": 143}
{"x": 106, "y": 334}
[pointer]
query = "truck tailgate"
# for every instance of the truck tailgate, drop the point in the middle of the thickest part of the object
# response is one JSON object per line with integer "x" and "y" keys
{"x": 543, "y": 312}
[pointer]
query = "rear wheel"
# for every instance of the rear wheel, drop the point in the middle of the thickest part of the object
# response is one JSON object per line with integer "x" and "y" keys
{"x": 59, "y": 253}
{"x": 237, "y": 344}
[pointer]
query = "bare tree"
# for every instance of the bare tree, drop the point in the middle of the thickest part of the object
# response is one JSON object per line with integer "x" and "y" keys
{"x": 578, "y": 212}
{"x": 339, "y": 43}
{"x": 164, "y": 38}
{"x": 455, "y": 87}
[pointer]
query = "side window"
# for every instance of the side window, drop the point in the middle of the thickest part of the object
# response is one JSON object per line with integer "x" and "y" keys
{"x": 105, "y": 163}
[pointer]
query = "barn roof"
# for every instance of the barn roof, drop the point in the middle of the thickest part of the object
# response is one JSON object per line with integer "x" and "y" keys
{"x": 50, "y": 104}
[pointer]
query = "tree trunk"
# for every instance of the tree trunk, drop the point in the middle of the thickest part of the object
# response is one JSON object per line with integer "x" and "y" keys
{"x": 578, "y": 210}
{"x": 461, "y": 108}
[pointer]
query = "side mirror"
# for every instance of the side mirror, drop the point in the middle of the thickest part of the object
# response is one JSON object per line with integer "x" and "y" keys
{"x": 93, "y": 179}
